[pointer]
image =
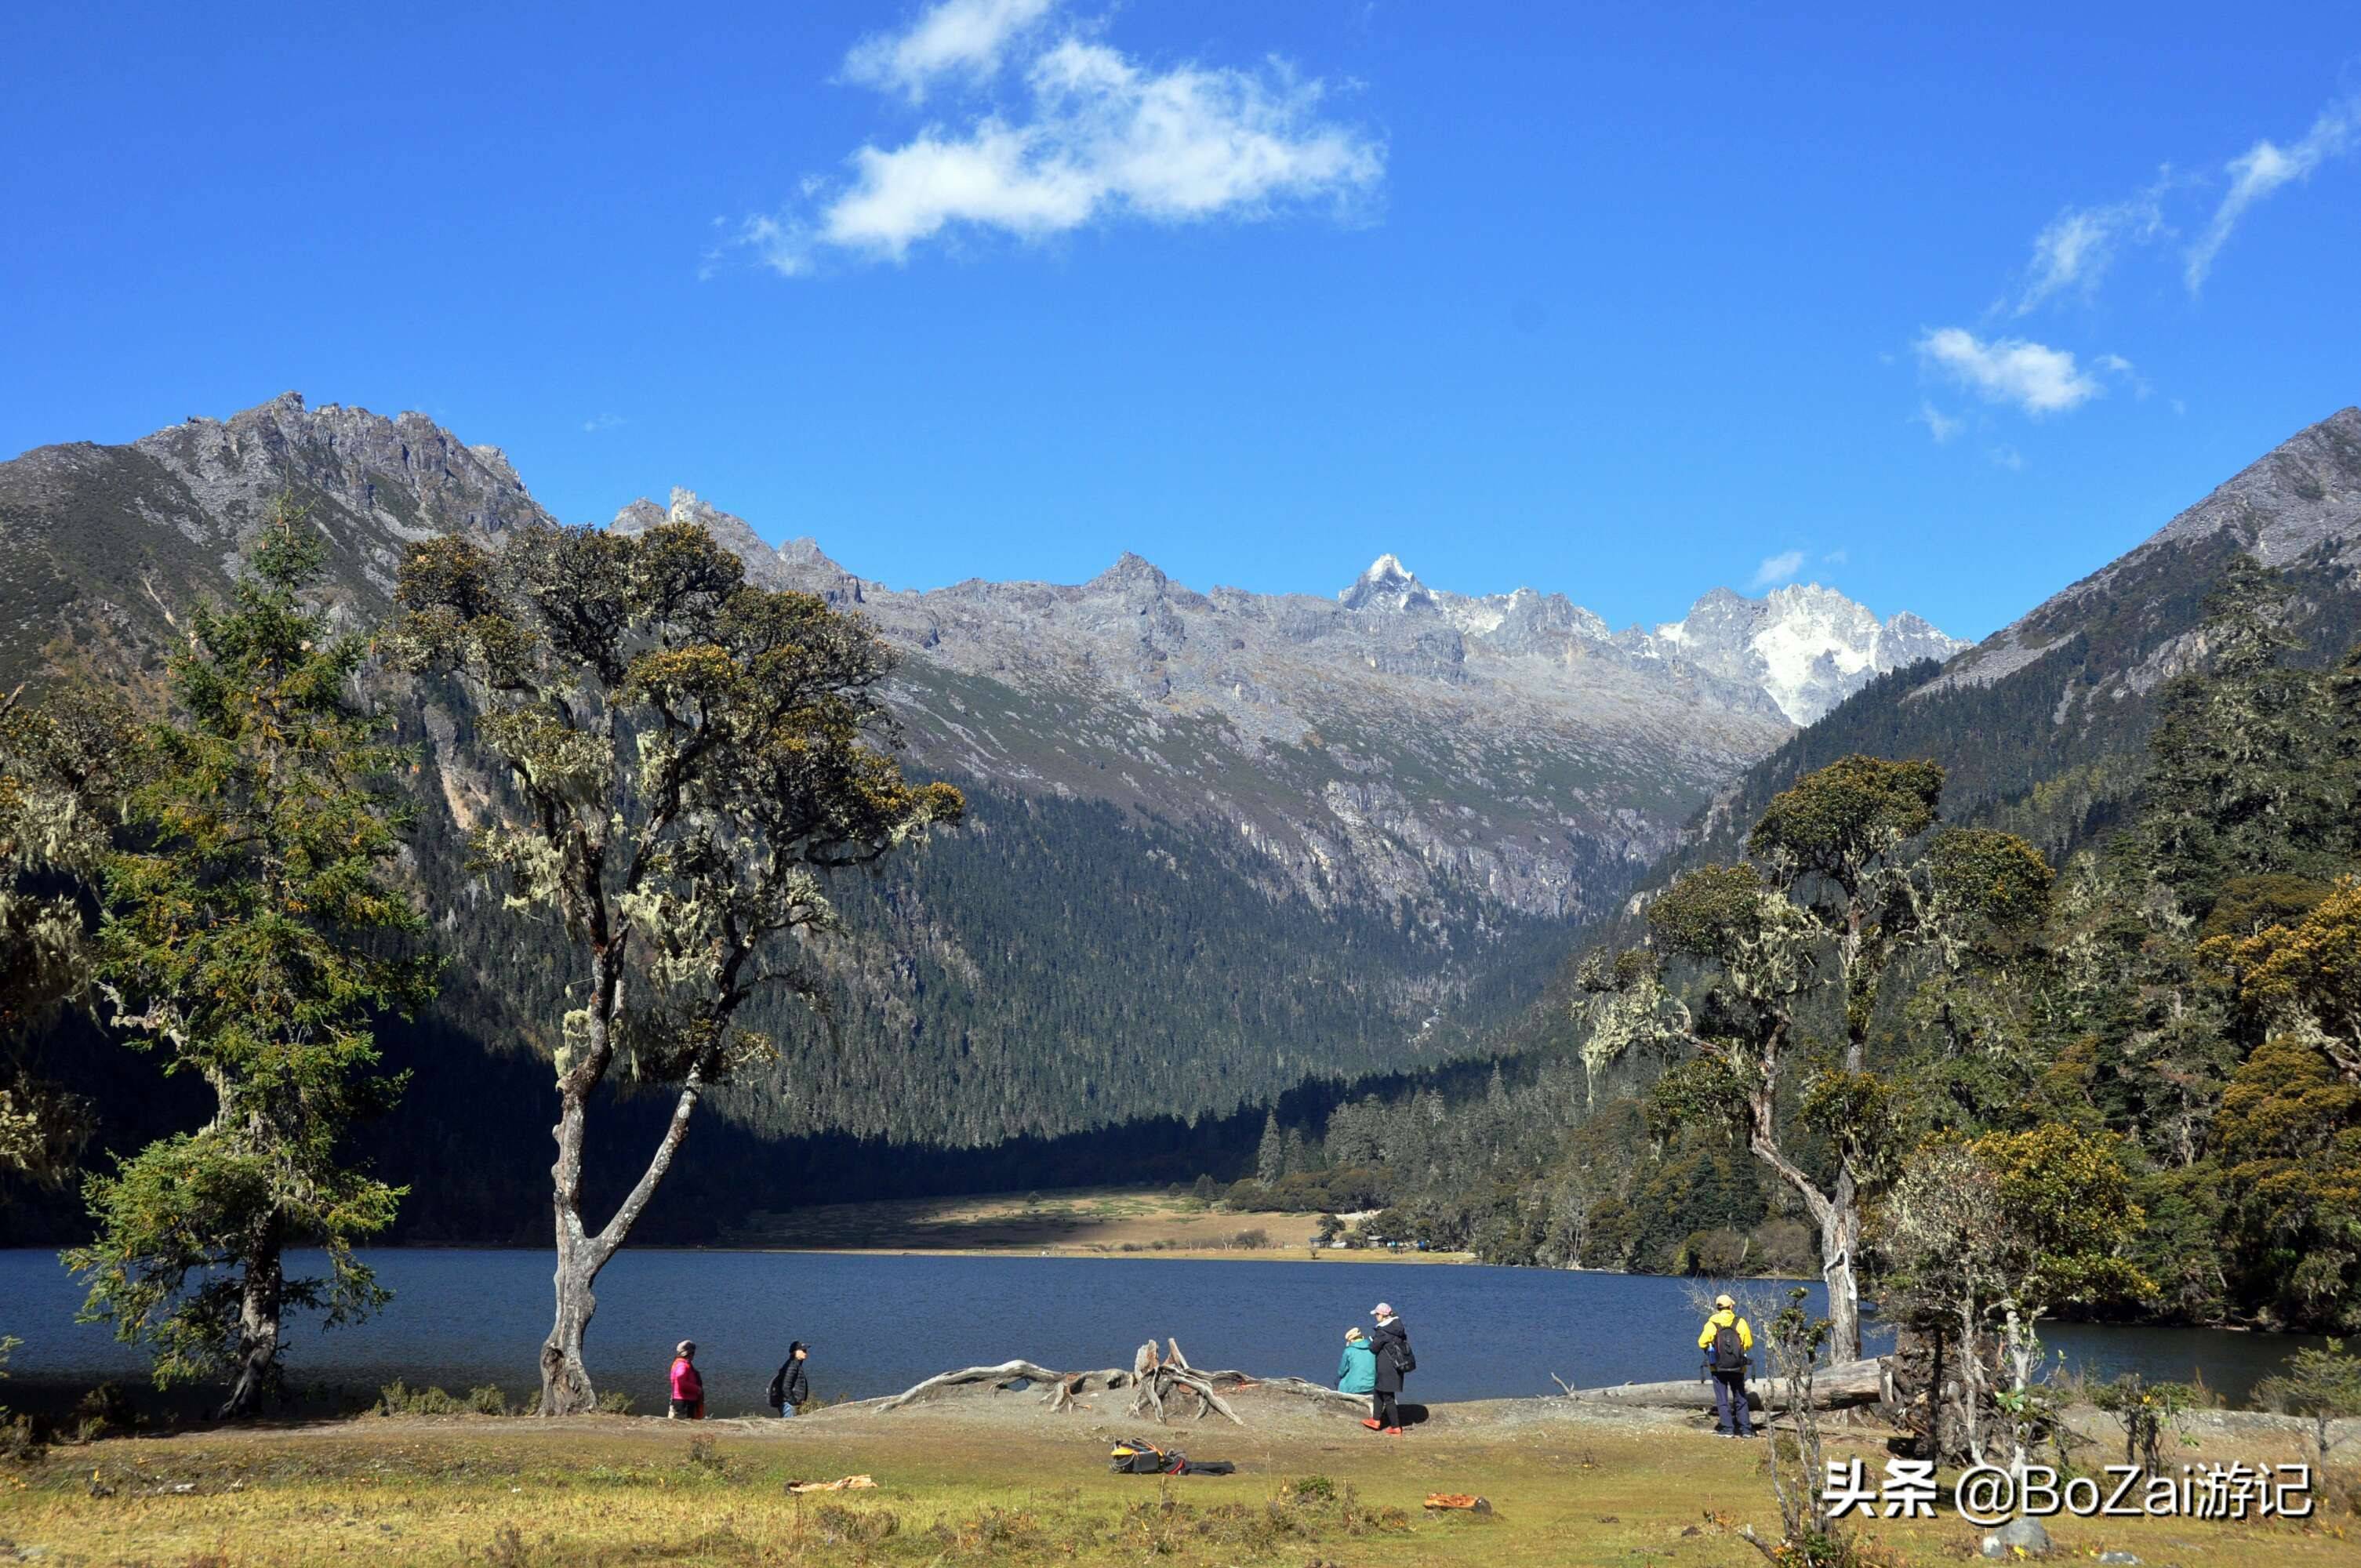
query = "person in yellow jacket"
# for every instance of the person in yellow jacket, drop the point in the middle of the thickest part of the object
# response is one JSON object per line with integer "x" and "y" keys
{"x": 1726, "y": 1339}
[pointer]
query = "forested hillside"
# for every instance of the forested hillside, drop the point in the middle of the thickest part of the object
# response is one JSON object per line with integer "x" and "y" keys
{"x": 2177, "y": 1006}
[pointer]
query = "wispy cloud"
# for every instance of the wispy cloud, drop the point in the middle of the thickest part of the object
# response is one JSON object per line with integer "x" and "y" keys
{"x": 1940, "y": 425}
{"x": 2006, "y": 456}
{"x": 1835, "y": 558}
{"x": 2073, "y": 253}
{"x": 2263, "y": 169}
{"x": 1779, "y": 568}
{"x": 1083, "y": 133}
{"x": 598, "y": 422}
{"x": 958, "y": 38}
{"x": 2033, "y": 377}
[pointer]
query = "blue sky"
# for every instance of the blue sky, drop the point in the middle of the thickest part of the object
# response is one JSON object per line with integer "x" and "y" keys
{"x": 1944, "y": 310}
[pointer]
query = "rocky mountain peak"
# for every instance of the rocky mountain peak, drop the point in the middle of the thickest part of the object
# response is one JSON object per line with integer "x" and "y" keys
{"x": 1387, "y": 585}
{"x": 1806, "y": 645}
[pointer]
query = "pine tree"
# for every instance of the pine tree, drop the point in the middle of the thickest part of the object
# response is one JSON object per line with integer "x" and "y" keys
{"x": 252, "y": 931}
{"x": 1270, "y": 1154}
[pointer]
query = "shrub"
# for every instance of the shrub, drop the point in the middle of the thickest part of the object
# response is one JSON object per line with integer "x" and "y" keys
{"x": 614, "y": 1402}
{"x": 1256, "y": 1237}
{"x": 488, "y": 1400}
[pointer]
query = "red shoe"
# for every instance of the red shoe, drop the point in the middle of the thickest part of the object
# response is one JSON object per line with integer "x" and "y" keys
{"x": 1373, "y": 1425}
{"x": 1393, "y": 1431}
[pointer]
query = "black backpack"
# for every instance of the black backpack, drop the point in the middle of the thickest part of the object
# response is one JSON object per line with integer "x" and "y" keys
{"x": 1405, "y": 1359}
{"x": 1136, "y": 1456}
{"x": 1728, "y": 1356}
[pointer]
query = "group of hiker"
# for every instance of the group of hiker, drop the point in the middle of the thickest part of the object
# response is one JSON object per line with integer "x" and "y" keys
{"x": 790, "y": 1387}
{"x": 1375, "y": 1363}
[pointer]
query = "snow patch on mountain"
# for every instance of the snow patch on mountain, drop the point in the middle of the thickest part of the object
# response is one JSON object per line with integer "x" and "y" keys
{"x": 1805, "y": 647}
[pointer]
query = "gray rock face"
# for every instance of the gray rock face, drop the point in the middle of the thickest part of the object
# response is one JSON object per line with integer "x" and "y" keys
{"x": 1400, "y": 745}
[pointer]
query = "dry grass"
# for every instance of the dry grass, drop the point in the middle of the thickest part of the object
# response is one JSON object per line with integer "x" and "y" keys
{"x": 1094, "y": 1222}
{"x": 988, "y": 1480}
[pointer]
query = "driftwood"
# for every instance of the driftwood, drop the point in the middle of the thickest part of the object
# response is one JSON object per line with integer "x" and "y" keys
{"x": 1063, "y": 1387}
{"x": 1156, "y": 1378}
{"x": 1833, "y": 1388}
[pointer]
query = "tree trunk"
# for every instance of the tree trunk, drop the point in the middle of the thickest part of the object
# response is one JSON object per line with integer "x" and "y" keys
{"x": 1839, "y": 1241}
{"x": 566, "y": 1388}
{"x": 260, "y": 1304}
{"x": 565, "y": 1375}
{"x": 564, "y": 1378}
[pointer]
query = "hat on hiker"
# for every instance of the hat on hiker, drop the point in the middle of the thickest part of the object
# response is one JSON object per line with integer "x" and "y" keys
{"x": 1723, "y": 1301}
{"x": 1352, "y": 1334}
{"x": 686, "y": 1347}
{"x": 1381, "y": 1310}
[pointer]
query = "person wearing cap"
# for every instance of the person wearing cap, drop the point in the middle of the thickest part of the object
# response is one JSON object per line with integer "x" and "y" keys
{"x": 1389, "y": 1343}
{"x": 687, "y": 1388}
{"x": 1726, "y": 1339}
{"x": 1357, "y": 1372}
{"x": 789, "y": 1388}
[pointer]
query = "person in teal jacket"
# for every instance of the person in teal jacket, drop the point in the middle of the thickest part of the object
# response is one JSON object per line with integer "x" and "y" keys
{"x": 1357, "y": 1372}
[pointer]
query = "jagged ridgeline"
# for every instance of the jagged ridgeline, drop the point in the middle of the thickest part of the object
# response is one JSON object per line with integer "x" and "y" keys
{"x": 1219, "y": 843}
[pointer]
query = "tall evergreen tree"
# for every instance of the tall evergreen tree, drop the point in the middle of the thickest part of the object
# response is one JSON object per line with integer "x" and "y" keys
{"x": 252, "y": 932}
{"x": 2236, "y": 784}
{"x": 691, "y": 754}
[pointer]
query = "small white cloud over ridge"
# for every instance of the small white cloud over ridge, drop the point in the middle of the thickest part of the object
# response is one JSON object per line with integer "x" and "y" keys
{"x": 2031, "y": 375}
{"x": 1777, "y": 569}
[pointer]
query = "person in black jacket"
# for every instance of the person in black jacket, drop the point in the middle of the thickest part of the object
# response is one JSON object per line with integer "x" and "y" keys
{"x": 789, "y": 1388}
{"x": 1390, "y": 1341}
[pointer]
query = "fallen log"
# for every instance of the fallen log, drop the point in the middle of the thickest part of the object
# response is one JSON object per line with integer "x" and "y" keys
{"x": 1063, "y": 1387}
{"x": 1833, "y": 1388}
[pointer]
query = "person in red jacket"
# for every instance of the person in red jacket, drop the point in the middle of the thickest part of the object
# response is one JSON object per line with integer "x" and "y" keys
{"x": 687, "y": 1388}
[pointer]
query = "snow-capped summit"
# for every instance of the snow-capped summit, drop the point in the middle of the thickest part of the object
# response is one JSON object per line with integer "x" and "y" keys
{"x": 1808, "y": 647}
{"x": 1805, "y": 647}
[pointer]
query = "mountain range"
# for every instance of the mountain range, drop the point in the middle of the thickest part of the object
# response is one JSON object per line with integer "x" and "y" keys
{"x": 1220, "y": 841}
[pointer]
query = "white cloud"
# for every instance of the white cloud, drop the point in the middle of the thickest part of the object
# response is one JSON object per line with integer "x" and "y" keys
{"x": 598, "y": 422}
{"x": 1835, "y": 558}
{"x": 962, "y": 38}
{"x": 2116, "y": 364}
{"x": 1779, "y": 568}
{"x": 2265, "y": 167}
{"x": 1940, "y": 425}
{"x": 1086, "y": 134}
{"x": 2075, "y": 251}
{"x": 2006, "y": 456}
{"x": 2035, "y": 378}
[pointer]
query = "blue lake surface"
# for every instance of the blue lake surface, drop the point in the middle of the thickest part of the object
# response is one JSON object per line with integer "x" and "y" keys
{"x": 877, "y": 1324}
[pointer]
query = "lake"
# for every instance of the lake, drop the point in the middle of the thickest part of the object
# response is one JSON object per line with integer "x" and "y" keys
{"x": 878, "y": 1324}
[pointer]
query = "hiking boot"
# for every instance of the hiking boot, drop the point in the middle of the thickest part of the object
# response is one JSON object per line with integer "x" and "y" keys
{"x": 1374, "y": 1425}
{"x": 1393, "y": 1431}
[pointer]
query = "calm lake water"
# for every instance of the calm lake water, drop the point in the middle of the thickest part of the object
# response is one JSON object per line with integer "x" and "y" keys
{"x": 878, "y": 1324}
